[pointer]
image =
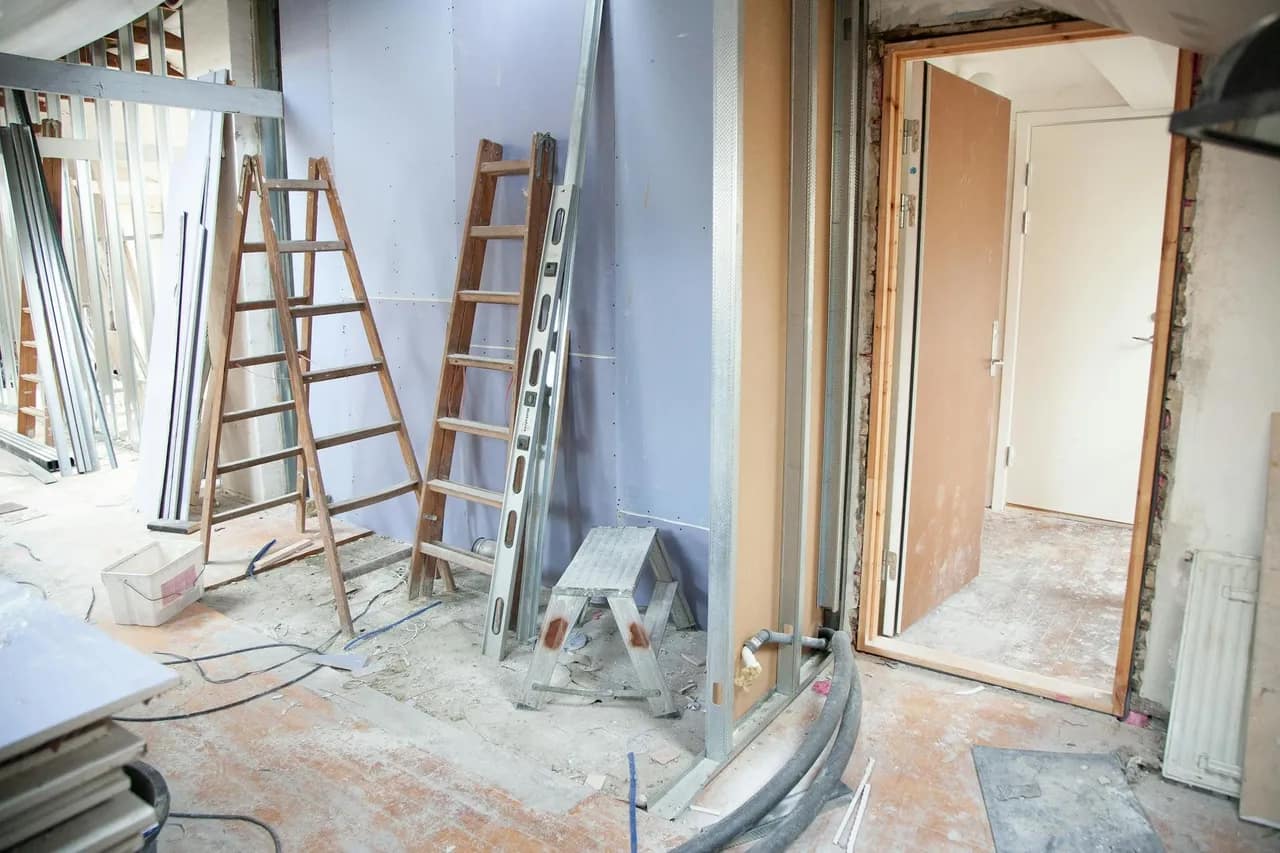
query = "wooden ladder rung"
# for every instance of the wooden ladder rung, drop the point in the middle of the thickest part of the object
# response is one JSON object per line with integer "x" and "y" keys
{"x": 29, "y": 344}
{"x": 254, "y": 461}
{"x": 377, "y": 497}
{"x": 250, "y": 509}
{"x": 484, "y": 362}
{"x": 499, "y": 232}
{"x": 251, "y": 360}
{"x": 29, "y": 377}
{"x": 31, "y": 410}
{"x": 456, "y": 555}
{"x": 265, "y": 304}
{"x": 505, "y": 167}
{"x": 329, "y": 373}
{"x": 245, "y": 414}
{"x": 475, "y": 428}
{"x": 295, "y": 247}
{"x": 355, "y": 435}
{"x": 475, "y": 494}
{"x": 292, "y": 185}
{"x": 496, "y": 297}
{"x": 327, "y": 308}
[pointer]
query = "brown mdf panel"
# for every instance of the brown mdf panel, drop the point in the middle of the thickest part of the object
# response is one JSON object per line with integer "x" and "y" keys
{"x": 818, "y": 334}
{"x": 766, "y": 109}
{"x": 1260, "y": 785}
{"x": 963, "y": 233}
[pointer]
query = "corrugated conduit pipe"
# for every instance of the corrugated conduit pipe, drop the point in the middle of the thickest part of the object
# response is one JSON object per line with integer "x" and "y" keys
{"x": 841, "y": 700}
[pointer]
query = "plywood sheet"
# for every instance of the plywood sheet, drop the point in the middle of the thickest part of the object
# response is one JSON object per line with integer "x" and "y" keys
{"x": 961, "y": 274}
{"x": 1260, "y": 785}
{"x": 766, "y": 106}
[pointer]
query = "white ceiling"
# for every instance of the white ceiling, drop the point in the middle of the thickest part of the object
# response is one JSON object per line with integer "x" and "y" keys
{"x": 50, "y": 29}
{"x": 1112, "y": 72}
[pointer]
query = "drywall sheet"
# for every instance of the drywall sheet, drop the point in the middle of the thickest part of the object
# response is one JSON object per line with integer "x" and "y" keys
{"x": 514, "y": 71}
{"x": 514, "y": 74}
{"x": 353, "y": 92}
{"x": 1260, "y": 782}
{"x": 766, "y": 110}
{"x": 62, "y": 674}
{"x": 662, "y": 77}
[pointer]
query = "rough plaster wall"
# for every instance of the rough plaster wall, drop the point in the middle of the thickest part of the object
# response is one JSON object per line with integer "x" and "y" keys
{"x": 1223, "y": 389}
{"x": 889, "y": 15}
{"x": 662, "y": 80}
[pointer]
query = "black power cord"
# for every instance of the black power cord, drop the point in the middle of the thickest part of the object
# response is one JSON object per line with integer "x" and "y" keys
{"x": 275, "y": 837}
{"x": 306, "y": 650}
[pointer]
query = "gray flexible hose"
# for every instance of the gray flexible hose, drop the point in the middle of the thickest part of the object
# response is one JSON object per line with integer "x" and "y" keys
{"x": 747, "y": 815}
{"x": 814, "y": 798}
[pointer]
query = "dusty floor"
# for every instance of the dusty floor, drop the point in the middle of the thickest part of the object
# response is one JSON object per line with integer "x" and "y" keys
{"x": 1048, "y": 598}
{"x": 428, "y": 753}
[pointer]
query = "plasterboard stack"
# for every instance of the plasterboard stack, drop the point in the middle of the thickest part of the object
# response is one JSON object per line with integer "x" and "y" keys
{"x": 63, "y": 778}
{"x": 68, "y": 387}
{"x": 179, "y": 342}
{"x": 72, "y": 790}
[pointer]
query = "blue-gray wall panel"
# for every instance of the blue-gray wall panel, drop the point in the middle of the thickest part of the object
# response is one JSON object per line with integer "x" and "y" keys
{"x": 663, "y": 250}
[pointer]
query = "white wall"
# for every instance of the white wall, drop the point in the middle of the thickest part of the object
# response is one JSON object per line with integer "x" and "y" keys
{"x": 1230, "y": 376}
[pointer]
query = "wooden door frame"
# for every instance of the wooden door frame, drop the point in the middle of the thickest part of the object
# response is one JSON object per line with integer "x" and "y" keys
{"x": 880, "y": 426}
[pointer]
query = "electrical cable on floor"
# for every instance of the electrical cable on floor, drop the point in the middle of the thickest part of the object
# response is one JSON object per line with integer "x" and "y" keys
{"x": 308, "y": 650}
{"x": 631, "y": 799}
{"x": 275, "y": 837}
{"x": 217, "y": 708}
{"x": 376, "y": 631}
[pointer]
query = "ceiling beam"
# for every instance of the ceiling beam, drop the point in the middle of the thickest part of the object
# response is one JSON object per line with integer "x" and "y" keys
{"x": 41, "y": 75}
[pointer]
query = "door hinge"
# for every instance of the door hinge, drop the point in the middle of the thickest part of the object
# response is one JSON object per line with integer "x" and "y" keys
{"x": 1026, "y": 219}
{"x": 906, "y": 210}
{"x": 1008, "y": 456}
{"x": 1026, "y": 177}
{"x": 910, "y": 135}
{"x": 891, "y": 565}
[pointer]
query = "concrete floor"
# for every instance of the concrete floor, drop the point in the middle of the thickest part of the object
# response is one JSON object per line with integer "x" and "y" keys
{"x": 420, "y": 755}
{"x": 1048, "y": 598}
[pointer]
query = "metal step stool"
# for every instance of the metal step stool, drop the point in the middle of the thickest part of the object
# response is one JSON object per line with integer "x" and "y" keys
{"x": 609, "y": 564}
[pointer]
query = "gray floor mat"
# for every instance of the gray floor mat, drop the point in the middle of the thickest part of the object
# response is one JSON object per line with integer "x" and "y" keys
{"x": 1060, "y": 801}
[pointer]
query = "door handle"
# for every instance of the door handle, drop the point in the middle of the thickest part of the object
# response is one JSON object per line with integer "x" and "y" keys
{"x": 996, "y": 362}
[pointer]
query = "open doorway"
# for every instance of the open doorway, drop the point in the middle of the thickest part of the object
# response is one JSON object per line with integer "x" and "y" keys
{"x": 1027, "y": 246}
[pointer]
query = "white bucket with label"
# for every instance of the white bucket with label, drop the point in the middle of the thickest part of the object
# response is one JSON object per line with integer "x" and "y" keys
{"x": 154, "y": 584}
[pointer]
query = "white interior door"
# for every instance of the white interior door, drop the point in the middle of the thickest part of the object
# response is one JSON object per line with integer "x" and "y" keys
{"x": 1090, "y": 265}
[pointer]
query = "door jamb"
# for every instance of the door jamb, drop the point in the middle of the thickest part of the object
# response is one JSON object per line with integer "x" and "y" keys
{"x": 869, "y": 639}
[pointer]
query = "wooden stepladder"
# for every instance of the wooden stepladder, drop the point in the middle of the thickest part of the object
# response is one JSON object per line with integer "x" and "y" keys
{"x": 295, "y": 315}
{"x": 432, "y": 555}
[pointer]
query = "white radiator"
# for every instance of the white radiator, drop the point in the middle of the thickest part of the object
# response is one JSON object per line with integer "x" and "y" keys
{"x": 1206, "y": 723}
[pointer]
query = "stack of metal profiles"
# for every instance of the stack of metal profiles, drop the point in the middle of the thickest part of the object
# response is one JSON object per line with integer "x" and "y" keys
{"x": 63, "y": 778}
{"x": 70, "y": 391}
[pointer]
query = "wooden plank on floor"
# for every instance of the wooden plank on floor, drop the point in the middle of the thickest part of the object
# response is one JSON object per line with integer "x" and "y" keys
{"x": 1260, "y": 783}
